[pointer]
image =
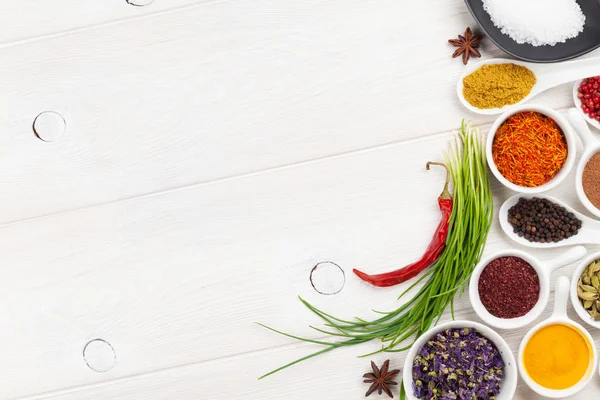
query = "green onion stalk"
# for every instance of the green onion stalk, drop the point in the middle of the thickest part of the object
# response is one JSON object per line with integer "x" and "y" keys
{"x": 470, "y": 223}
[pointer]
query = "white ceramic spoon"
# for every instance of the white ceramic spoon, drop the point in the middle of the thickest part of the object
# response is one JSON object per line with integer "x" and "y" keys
{"x": 588, "y": 234}
{"x": 559, "y": 317}
{"x": 577, "y": 101}
{"x": 582, "y": 312}
{"x": 547, "y": 76}
{"x": 543, "y": 269}
{"x": 591, "y": 146}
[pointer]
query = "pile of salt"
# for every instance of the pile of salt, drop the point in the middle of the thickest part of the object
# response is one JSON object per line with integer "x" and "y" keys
{"x": 538, "y": 22}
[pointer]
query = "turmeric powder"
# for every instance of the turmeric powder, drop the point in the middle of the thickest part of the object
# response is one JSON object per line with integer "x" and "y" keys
{"x": 497, "y": 85}
{"x": 557, "y": 357}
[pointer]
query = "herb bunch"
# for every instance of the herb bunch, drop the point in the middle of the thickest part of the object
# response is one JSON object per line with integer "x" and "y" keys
{"x": 469, "y": 226}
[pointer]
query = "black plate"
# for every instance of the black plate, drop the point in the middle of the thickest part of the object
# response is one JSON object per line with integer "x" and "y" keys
{"x": 587, "y": 40}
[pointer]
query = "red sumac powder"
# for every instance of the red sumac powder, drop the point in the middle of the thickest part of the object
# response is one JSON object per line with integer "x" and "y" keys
{"x": 509, "y": 287}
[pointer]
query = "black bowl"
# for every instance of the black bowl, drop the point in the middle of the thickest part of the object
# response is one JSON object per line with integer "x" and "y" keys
{"x": 587, "y": 40}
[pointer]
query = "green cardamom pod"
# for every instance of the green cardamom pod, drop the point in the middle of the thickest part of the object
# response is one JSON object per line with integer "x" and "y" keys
{"x": 579, "y": 291}
{"x": 586, "y": 280}
{"x": 589, "y": 296}
{"x": 589, "y": 288}
{"x": 587, "y": 304}
{"x": 595, "y": 282}
{"x": 594, "y": 314}
{"x": 594, "y": 267}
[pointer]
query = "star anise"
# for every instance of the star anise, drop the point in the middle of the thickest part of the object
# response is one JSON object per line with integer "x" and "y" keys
{"x": 381, "y": 379}
{"x": 467, "y": 45}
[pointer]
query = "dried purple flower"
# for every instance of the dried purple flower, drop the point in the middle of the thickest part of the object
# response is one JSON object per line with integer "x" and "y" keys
{"x": 458, "y": 364}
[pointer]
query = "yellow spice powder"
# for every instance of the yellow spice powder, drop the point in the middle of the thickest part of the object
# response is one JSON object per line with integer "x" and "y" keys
{"x": 497, "y": 85}
{"x": 557, "y": 357}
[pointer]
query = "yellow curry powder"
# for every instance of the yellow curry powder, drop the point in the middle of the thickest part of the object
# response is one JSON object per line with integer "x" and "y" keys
{"x": 497, "y": 85}
{"x": 557, "y": 357}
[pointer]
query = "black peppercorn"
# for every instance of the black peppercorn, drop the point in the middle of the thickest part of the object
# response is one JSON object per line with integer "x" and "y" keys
{"x": 540, "y": 220}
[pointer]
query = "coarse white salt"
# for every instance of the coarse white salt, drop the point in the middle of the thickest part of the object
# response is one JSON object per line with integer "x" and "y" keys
{"x": 538, "y": 22}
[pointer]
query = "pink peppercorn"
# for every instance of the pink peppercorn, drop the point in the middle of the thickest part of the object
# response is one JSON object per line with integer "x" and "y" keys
{"x": 589, "y": 93}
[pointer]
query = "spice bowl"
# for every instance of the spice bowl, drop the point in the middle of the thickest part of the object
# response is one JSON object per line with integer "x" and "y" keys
{"x": 543, "y": 271}
{"x": 558, "y": 351}
{"x": 509, "y": 380}
{"x": 567, "y": 132}
{"x": 581, "y": 311}
{"x": 547, "y": 76}
{"x": 577, "y": 101}
{"x": 589, "y": 233}
{"x": 591, "y": 147}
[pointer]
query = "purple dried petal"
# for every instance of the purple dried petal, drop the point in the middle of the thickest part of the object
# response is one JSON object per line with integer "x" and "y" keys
{"x": 458, "y": 364}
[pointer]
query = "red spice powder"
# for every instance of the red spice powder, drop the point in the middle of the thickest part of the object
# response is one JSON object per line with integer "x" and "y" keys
{"x": 591, "y": 180}
{"x": 509, "y": 287}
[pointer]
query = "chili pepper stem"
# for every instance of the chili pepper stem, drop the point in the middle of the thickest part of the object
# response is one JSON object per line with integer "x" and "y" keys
{"x": 445, "y": 193}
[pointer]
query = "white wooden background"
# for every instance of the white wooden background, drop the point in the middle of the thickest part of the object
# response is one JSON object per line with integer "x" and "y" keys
{"x": 216, "y": 150}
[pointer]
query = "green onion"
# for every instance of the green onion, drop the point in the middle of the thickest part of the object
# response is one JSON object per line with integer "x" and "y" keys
{"x": 469, "y": 226}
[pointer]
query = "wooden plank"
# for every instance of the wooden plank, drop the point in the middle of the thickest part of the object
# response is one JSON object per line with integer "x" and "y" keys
{"x": 338, "y": 377}
{"x": 222, "y": 89}
{"x": 29, "y": 19}
{"x": 180, "y": 277}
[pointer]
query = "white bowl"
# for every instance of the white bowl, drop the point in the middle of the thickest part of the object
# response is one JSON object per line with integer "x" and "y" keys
{"x": 591, "y": 146}
{"x": 577, "y": 102}
{"x": 583, "y": 314}
{"x": 509, "y": 383}
{"x": 569, "y": 137}
{"x": 589, "y": 233}
{"x": 543, "y": 271}
{"x": 559, "y": 316}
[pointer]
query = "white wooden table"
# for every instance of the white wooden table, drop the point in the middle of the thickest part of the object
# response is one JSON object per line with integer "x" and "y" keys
{"x": 215, "y": 151}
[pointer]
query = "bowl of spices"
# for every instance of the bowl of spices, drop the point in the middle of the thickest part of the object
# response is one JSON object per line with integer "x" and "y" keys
{"x": 492, "y": 86}
{"x": 557, "y": 357}
{"x": 510, "y": 289}
{"x": 587, "y": 178}
{"x": 586, "y": 96}
{"x": 530, "y": 149}
{"x": 540, "y": 30}
{"x": 460, "y": 360}
{"x": 541, "y": 221}
{"x": 585, "y": 290}
{"x": 495, "y": 84}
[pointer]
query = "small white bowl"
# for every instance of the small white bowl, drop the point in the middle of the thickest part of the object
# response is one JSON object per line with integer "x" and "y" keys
{"x": 559, "y": 316}
{"x": 591, "y": 146}
{"x": 544, "y": 270}
{"x": 569, "y": 137}
{"x": 583, "y": 314}
{"x": 509, "y": 383}
{"x": 577, "y": 102}
{"x": 588, "y": 234}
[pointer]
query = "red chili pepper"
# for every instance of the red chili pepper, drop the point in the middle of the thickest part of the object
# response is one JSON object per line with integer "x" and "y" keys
{"x": 433, "y": 251}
